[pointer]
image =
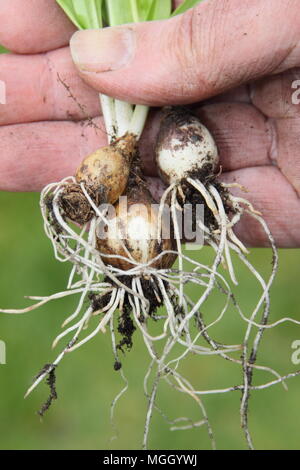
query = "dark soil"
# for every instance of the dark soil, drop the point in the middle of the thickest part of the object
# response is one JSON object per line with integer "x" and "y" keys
{"x": 76, "y": 207}
{"x": 136, "y": 180}
{"x": 126, "y": 326}
{"x": 176, "y": 116}
{"x": 51, "y": 216}
{"x": 193, "y": 197}
{"x": 98, "y": 302}
{"x": 51, "y": 382}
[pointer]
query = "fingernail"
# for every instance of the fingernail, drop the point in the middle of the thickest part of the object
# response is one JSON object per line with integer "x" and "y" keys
{"x": 102, "y": 50}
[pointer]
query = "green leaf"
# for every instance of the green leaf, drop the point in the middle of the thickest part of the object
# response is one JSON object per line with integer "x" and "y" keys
{"x": 2, "y": 49}
{"x": 85, "y": 14}
{"x": 159, "y": 10}
{"x": 67, "y": 6}
{"x": 144, "y": 7}
{"x": 88, "y": 13}
{"x": 118, "y": 12}
{"x": 185, "y": 6}
{"x": 128, "y": 11}
{"x": 131, "y": 11}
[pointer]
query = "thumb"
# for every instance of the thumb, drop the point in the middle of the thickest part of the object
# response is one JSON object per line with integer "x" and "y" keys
{"x": 213, "y": 47}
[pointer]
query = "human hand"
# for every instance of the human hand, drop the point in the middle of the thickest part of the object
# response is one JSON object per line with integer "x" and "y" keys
{"x": 240, "y": 52}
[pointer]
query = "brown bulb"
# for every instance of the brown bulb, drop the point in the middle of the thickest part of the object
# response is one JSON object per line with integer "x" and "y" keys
{"x": 108, "y": 168}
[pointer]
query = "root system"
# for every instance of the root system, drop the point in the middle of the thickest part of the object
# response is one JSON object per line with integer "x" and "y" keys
{"x": 125, "y": 291}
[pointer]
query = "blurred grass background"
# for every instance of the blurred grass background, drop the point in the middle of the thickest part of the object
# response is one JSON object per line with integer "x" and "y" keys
{"x": 86, "y": 381}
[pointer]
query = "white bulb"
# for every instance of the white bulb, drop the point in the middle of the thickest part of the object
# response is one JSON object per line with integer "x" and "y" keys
{"x": 184, "y": 149}
{"x": 132, "y": 232}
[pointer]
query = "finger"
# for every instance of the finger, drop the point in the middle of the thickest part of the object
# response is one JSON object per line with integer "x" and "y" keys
{"x": 36, "y": 154}
{"x": 287, "y": 155}
{"x": 239, "y": 129}
{"x": 211, "y": 48}
{"x": 278, "y": 97}
{"x": 33, "y": 26}
{"x": 38, "y": 88}
{"x": 33, "y": 155}
{"x": 272, "y": 195}
{"x": 242, "y": 134}
{"x": 240, "y": 94}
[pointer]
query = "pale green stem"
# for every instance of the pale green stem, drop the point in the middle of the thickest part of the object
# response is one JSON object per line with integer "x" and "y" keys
{"x": 108, "y": 110}
{"x": 125, "y": 119}
{"x": 138, "y": 120}
{"x": 124, "y": 113}
{"x": 94, "y": 17}
{"x": 134, "y": 11}
{"x": 113, "y": 18}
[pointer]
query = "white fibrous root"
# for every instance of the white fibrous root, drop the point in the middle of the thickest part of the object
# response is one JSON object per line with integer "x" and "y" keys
{"x": 187, "y": 161}
{"x": 123, "y": 246}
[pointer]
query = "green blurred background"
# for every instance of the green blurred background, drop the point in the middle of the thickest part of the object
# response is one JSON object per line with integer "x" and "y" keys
{"x": 86, "y": 381}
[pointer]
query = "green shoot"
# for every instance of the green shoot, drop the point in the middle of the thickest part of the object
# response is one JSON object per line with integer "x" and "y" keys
{"x": 185, "y": 6}
{"x": 120, "y": 117}
{"x": 135, "y": 11}
{"x": 119, "y": 12}
{"x": 159, "y": 10}
{"x": 85, "y": 14}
